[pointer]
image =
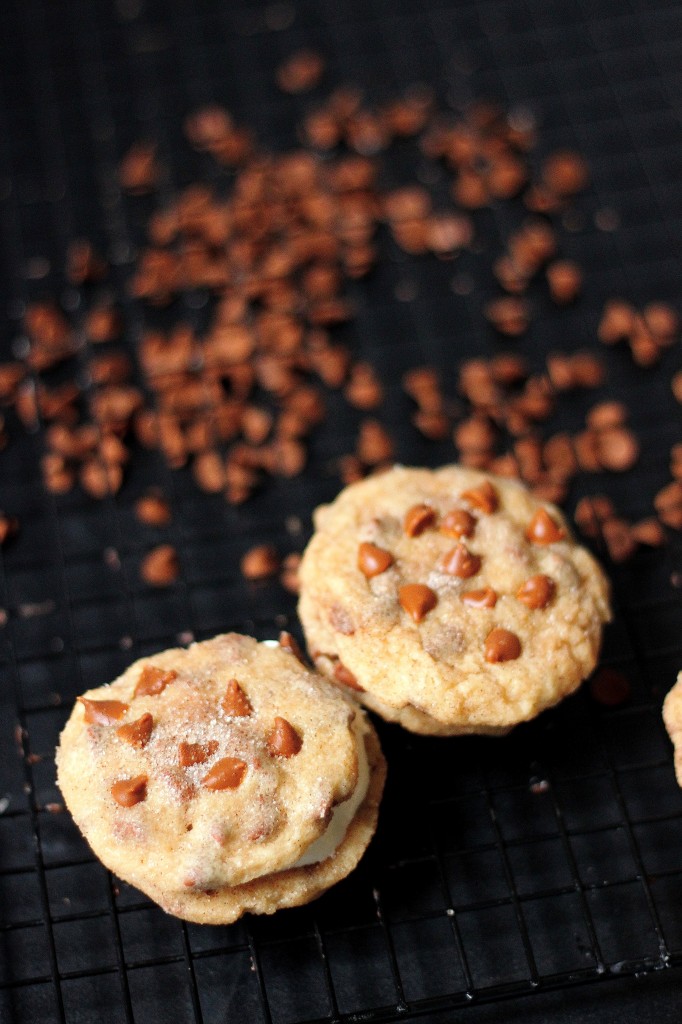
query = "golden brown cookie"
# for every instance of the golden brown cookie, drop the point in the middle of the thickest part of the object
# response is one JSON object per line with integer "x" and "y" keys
{"x": 203, "y": 776}
{"x": 450, "y": 600}
{"x": 672, "y": 718}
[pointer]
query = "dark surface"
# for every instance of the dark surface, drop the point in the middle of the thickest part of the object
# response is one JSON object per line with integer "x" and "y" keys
{"x": 480, "y": 887}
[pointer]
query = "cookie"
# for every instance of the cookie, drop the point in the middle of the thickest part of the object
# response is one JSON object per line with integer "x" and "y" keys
{"x": 450, "y": 600}
{"x": 222, "y": 778}
{"x": 672, "y": 718}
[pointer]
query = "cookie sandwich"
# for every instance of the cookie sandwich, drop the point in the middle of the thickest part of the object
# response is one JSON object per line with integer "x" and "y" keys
{"x": 450, "y": 600}
{"x": 222, "y": 778}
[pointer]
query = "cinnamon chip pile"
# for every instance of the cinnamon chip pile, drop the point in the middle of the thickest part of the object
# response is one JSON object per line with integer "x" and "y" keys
{"x": 271, "y": 253}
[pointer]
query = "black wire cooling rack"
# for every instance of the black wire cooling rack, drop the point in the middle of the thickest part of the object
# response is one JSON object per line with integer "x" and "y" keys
{"x": 543, "y": 861}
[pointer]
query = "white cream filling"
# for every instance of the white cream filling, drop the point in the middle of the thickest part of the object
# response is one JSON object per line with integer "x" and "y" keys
{"x": 328, "y": 843}
{"x": 342, "y": 815}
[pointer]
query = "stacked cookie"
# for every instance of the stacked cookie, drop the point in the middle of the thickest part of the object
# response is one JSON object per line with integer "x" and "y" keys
{"x": 450, "y": 600}
{"x": 204, "y": 777}
{"x": 228, "y": 777}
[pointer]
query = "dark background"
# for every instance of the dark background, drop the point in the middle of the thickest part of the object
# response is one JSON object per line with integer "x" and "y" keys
{"x": 477, "y": 888}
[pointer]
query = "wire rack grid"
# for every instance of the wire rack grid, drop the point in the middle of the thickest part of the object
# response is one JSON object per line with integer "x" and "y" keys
{"x": 501, "y": 869}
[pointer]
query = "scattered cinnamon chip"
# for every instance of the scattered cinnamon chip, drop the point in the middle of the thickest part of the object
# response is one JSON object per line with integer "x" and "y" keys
{"x": 668, "y": 504}
{"x": 300, "y": 72}
{"x": 83, "y": 264}
{"x": 260, "y": 562}
{"x": 160, "y": 566}
{"x": 139, "y": 170}
{"x": 619, "y": 538}
{"x": 610, "y": 687}
{"x": 617, "y": 448}
{"x": 565, "y": 280}
{"x": 509, "y": 315}
{"x": 649, "y": 532}
{"x": 9, "y": 527}
{"x": 289, "y": 577}
{"x": 374, "y": 443}
{"x": 153, "y": 509}
{"x": 565, "y": 173}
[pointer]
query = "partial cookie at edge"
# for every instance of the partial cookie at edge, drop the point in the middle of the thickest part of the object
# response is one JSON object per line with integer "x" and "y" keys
{"x": 672, "y": 718}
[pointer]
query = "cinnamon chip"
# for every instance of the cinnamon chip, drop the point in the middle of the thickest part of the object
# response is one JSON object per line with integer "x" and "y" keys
{"x": 565, "y": 280}
{"x": 417, "y": 600}
{"x": 289, "y": 642}
{"x": 485, "y": 598}
{"x": 284, "y": 741}
{"x": 153, "y": 509}
{"x": 502, "y": 645}
{"x": 196, "y": 753}
{"x": 345, "y": 676}
{"x": 227, "y": 773}
{"x": 128, "y": 792}
{"x": 300, "y": 72}
{"x": 483, "y": 497}
{"x": 9, "y": 527}
{"x": 460, "y": 562}
{"x": 543, "y": 530}
{"x": 153, "y": 680}
{"x": 102, "y": 712}
{"x": 537, "y": 591}
{"x": 610, "y": 687}
{"x": 417, "y": 519}
{"x": 137, "y": 733}
{"x": 458, "y": 523}
{"x": 288, "y": 576}
{"x": 160, "y": 567}
{"x": 260, "y": 562}
{"x": 235, "y": 702}
{"x": 373, "y": 560}
{"x": 668, "y": 504}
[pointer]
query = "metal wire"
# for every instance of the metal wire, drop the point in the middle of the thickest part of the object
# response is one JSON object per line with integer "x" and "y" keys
{"x": 139, "y": 69}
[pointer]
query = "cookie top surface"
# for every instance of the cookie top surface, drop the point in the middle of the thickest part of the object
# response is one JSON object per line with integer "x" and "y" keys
{"x": 454, "y": 599}
{"x": 208, "y": 767}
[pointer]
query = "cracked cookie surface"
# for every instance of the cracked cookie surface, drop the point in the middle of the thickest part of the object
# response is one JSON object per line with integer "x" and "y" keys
{"x": 450, "y": 600}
